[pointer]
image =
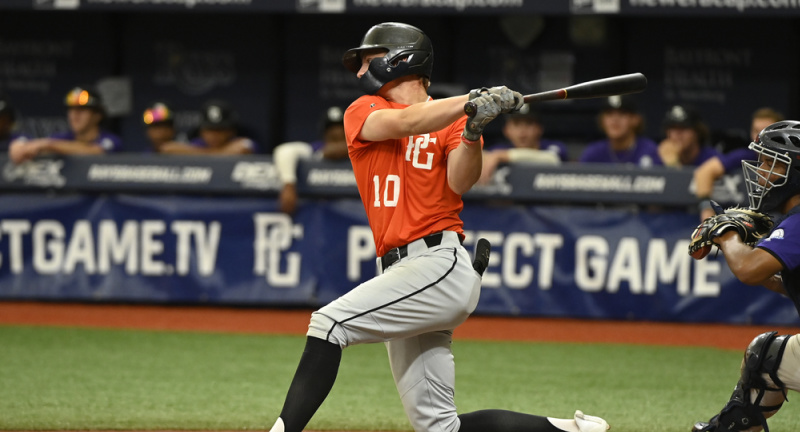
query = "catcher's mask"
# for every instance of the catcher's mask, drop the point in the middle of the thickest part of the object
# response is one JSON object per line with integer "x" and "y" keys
{"x": 409, "y": 52}
{"x": 768, "y": 185}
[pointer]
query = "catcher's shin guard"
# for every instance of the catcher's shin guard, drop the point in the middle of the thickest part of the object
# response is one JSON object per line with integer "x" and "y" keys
{"x": 763, "y": 356}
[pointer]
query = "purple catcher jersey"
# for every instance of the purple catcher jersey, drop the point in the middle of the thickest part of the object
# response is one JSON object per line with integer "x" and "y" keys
{"x": 784, "y": 244}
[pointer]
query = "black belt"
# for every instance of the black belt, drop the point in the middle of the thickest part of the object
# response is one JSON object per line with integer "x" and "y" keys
{"x": 401, "y": 252}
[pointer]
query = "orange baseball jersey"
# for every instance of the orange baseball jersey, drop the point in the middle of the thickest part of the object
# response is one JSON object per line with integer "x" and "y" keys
{"x": 403, "y": 182}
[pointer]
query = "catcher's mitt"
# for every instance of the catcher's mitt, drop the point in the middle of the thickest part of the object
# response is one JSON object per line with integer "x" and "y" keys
{"x": 751, "y": 225}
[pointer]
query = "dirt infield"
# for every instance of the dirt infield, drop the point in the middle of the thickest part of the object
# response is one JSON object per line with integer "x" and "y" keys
{"x": 280, "y": 321}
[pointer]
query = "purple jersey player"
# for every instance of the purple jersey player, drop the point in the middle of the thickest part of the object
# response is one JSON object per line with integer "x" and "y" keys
{"x": 771, "y": 361}
{"x": 218, "y": 134}
{"x": 686, "y": 141}
{"x": 85, "y": 112}
{"x": 622, "y": 124}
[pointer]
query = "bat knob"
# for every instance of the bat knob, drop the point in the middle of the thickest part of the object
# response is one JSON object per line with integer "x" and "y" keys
{"x": 470, "y": 109}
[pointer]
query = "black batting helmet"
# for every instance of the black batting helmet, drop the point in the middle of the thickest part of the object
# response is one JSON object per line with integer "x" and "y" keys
{"x": 410, "y": 52}
{"x": 778, "y": 142}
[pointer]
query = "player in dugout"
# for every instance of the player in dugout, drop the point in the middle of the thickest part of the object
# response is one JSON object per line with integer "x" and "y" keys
{"x": 524, "y": 133}
{"x": 623, "y": 125}
{"x": 687, "y": 138}
{"x": 331, "y": 147}
{"x": 159, "y": 122}
{"x": 85, "y": 136}
{"x": 218, "y": 134}
{"x": 413, "y": 158}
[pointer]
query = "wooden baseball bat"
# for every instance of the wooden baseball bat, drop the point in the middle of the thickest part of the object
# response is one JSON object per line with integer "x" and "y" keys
{"x": 616, "y": 85}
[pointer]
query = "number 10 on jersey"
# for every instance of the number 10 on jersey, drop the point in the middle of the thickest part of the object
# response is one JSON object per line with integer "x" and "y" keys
{"x": 391, "y": 191}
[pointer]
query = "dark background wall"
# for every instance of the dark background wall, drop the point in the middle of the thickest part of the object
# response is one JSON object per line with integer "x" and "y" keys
{"x": 281, "y": 70}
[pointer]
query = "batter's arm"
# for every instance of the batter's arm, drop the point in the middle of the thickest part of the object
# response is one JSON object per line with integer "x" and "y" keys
{"x": 416, "y": 119}
{"x": 464, "y": 164}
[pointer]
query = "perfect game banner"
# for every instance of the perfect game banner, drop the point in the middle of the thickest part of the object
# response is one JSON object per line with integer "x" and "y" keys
{"x": 545, "y": 261}
{"x": 165, "y": 249}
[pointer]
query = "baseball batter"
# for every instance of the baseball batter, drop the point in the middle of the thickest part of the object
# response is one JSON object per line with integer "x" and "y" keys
{"x": 413, "y": 158}
{"x": 771, "y": 364}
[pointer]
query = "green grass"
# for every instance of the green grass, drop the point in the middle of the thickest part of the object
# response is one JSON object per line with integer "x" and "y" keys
{"x": 66, "y": 378}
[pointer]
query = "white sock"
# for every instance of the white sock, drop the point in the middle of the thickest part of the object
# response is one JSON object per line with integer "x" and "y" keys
{"x": 278, "y": 426}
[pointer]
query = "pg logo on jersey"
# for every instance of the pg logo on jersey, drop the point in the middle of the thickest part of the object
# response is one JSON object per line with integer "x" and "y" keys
{"x": 414, "y": 151}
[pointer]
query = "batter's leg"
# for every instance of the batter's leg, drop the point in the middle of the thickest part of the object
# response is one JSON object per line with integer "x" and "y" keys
{"x": 424, "y": 372}
{"x": 511, "y": 421}
{"x": 310, "y": 386}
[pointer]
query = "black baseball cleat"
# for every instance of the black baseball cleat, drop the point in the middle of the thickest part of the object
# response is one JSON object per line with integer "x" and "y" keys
{"x": 701, "y": 427}
{"x": 708, "y": 426}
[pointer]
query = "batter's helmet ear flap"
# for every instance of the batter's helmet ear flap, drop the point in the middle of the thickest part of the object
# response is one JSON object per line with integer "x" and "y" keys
{"x": 409, "y": 52}
{"x": 369, "y": 82}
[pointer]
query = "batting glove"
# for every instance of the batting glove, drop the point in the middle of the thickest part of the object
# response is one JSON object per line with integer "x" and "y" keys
{"x": 486, "y": 109}
{"x": 507, "y": 99}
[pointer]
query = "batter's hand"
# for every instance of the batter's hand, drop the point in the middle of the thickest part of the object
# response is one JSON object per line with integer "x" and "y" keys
{"x": 486, "y": 109}
{"x": 508, "y": 99}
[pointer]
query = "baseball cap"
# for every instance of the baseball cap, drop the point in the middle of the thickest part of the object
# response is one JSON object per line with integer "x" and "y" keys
{"x": 524, "y": 113}
{"x": 158, "y": 113}
{"x": 333, "y": 116}
{"x": 625, "y": 103}
{"x": 682, "y": 116}
{"x": 218, "y": 115}
{"x": 83, "y": 97}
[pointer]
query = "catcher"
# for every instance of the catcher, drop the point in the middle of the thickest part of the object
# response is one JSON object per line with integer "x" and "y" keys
{"x": 758, "y": 255}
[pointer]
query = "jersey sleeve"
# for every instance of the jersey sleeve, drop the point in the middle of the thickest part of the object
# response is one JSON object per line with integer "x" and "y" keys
{"x": 355, "y": 116}
{"x": 784, "y": 242}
